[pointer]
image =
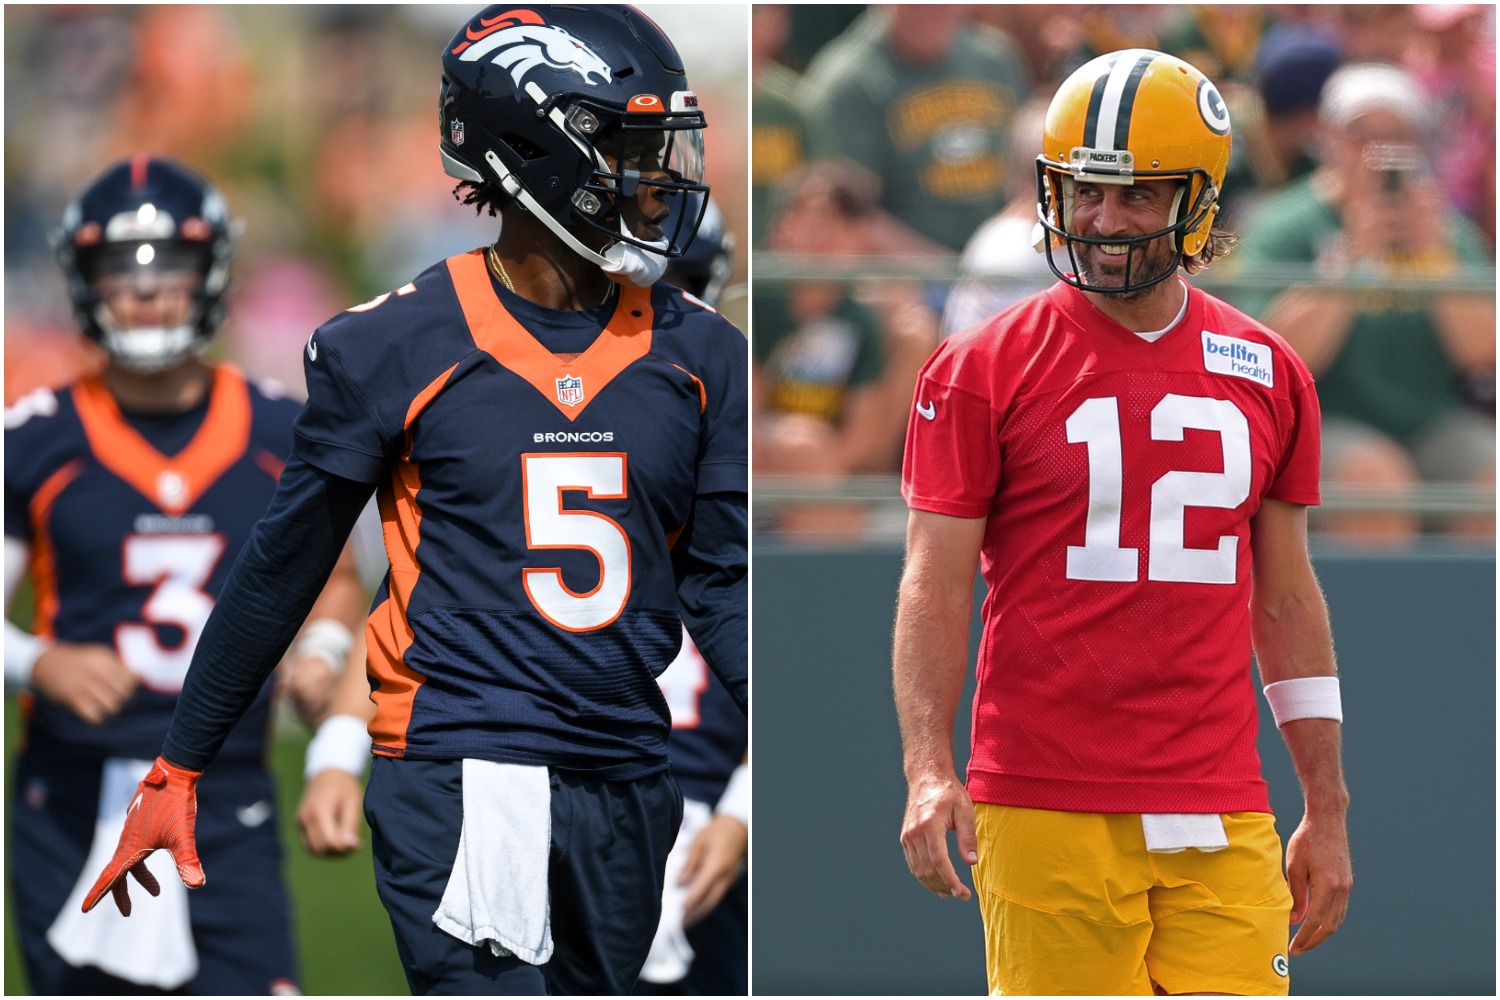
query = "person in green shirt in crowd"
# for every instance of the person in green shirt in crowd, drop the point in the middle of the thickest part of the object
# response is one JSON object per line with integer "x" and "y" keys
{"x": 778, "y": 147}
{"x": 1396, "y": 370}
{"x": 923, "y": 96}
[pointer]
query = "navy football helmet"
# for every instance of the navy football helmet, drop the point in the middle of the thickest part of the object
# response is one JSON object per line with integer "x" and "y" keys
{"x": 535, "y": 99}
{"x": 706, "y": 265}
{"x": 141, "y": 217}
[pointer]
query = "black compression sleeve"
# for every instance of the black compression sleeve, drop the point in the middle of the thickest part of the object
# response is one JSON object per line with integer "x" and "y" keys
{"x": 270, "y": 590}
{"x": 713, "y": 590}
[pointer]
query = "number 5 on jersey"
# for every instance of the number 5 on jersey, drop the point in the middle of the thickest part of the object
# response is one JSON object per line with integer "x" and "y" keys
{"x": 550, "y": 524}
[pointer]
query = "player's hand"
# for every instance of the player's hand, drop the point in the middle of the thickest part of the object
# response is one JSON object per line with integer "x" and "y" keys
{"x": 310, "y": 682}
{"x": 713, "y": 863}
{"x": 162, "y": 814}
{"x": 330, "y": 812}
{"x": 933, "y": 807}
{"x": 1320, "y": 875}
{"x": 87, "y": 678}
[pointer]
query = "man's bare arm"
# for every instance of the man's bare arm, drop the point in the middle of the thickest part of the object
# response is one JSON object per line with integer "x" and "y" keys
{"x": 1293, "y": 639}
{"x": 930, "y": 661}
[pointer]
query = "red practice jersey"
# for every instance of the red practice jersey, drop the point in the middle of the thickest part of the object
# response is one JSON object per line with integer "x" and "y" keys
{"x": 1118, "y": 478}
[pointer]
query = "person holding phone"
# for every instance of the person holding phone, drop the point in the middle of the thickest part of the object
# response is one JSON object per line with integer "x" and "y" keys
{"x": 1405, "y": 377}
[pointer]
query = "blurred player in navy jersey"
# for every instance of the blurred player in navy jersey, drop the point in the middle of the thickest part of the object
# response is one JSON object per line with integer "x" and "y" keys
{"x": 556, "y": 440}
{"x": 702, "y": 944}
{"x": 128, "y": 496}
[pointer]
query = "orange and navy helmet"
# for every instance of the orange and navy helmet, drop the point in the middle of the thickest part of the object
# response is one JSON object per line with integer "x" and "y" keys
{"x": 536, "y": 100}
{"x": 1126, "y": 116}
{"x": 139, "y": 217}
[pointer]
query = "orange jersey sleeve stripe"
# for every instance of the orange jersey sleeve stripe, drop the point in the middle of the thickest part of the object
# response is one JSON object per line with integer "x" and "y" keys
{"x": 269, "y": 464}
{"x": 43, "y": 561}
{"x": 702, "y": 392}
{"x": 389, "y": 631}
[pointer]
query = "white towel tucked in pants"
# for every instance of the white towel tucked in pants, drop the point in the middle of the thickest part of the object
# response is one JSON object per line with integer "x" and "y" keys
{"x": 1169, "y": 833}
{"x": 497, "y": 894}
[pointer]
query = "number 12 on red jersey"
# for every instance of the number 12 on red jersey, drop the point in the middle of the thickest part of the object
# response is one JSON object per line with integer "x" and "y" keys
{"x": 1096, "y": 424}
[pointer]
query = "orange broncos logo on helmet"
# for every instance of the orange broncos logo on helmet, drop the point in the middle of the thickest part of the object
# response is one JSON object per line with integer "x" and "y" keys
{"x": 520, "y": 41}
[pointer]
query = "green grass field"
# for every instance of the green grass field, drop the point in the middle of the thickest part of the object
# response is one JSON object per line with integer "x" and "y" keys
{"x": 344, "y": 936}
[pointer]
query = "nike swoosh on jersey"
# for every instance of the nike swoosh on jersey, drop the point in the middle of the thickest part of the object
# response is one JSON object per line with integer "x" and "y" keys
{"x": 312, "y": 350}
{"x": 927, "y": 412}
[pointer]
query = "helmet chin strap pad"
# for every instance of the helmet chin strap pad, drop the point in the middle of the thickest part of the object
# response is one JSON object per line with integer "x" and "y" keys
{"x": 1174, "y": 215}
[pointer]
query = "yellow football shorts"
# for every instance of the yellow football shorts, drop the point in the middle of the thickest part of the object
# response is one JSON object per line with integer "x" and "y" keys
{"x": 1073, "y": 903}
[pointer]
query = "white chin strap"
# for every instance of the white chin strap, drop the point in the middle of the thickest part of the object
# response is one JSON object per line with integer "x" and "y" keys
{"x": 638, "y": 266}
{"x": 619, "y": 260}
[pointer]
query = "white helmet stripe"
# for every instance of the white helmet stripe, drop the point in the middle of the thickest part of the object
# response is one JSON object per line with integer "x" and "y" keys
{"x": 1111, "y": 128}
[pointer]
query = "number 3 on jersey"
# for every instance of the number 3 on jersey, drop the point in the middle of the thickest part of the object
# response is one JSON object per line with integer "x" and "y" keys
{"x": 177, "y": 568}
{"x": 1096, "y": 424}
{"x": 552, "y": 525}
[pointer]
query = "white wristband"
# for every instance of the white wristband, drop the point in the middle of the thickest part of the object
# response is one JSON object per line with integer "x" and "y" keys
{"x": 343, "y": 742}
{"x": 22, "y": 650}
{"x": 736, "y": 798}
{"x": 327, "y": 639}
{"x": 1305, "y": 698}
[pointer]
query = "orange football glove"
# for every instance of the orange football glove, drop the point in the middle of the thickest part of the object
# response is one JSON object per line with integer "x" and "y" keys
{"x": 162, "y": 814}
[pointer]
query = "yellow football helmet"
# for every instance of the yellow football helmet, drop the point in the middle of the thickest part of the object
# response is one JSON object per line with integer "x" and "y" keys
{"x": 1133, "y": 114}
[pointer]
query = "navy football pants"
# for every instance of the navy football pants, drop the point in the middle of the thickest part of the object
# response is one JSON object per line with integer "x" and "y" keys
{"x": 241, "y": 917}
{"x": 610, "y": 841}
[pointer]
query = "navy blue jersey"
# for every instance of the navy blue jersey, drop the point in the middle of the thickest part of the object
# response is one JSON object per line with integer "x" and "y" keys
{"x": 532, "y": 475}
{"x": 709, "y": 732}
{"x": 133, "y": 525}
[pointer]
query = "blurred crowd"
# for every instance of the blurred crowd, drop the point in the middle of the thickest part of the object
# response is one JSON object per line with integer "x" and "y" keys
{"x": 318, "y": 123}
{"x": 1364, "y": 140}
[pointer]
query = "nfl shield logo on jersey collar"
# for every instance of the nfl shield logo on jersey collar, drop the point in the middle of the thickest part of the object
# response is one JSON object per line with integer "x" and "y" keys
{"x": 170, "y": 488}
{"x": 570, "y": 390}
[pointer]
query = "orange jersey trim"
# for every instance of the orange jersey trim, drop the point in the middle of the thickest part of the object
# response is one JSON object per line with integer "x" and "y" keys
{"x": 43, "y": 559}
{"x": 625, "y": 339}
{"x": 389, "y": 632}
{"x": 702, "y": 391}
{"x": 173, "y": 484}
{"x": 269, "y": 464}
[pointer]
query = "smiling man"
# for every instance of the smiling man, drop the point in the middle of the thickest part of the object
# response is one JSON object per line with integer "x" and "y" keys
{"x": 1130, "y": 462}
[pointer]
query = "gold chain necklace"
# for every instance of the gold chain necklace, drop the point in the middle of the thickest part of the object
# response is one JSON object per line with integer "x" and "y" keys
{"x": 499, "y": 269}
